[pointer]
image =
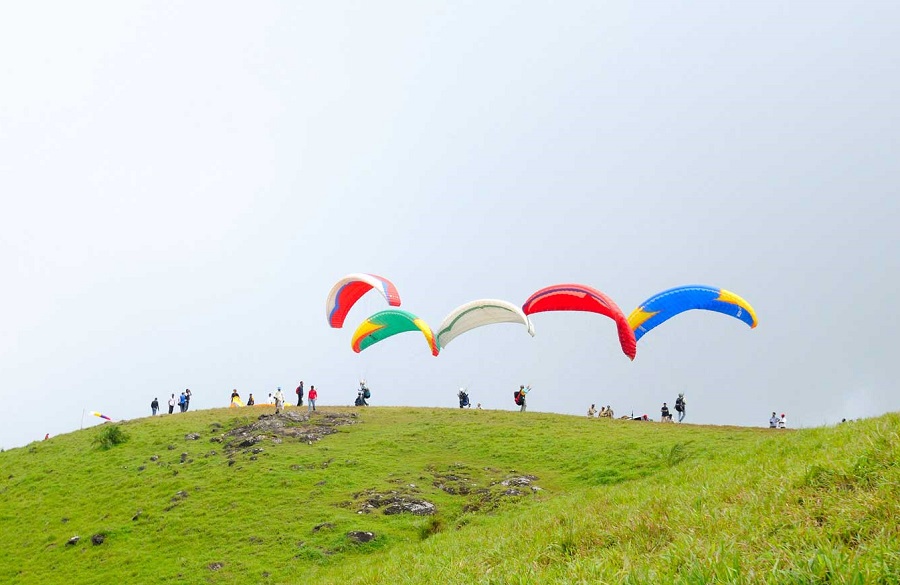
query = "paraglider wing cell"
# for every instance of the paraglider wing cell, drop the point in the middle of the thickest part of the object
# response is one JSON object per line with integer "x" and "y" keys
{"x": 384, "y": 324}
{"x": 477, "y": 314}
{"x": 578, "y": 297}
{"x": 348, "y": 290}
{"x": 661, "y": 307}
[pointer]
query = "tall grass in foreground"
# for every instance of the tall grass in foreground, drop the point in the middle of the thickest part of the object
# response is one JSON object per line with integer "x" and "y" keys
{"x": 620, "y": 502}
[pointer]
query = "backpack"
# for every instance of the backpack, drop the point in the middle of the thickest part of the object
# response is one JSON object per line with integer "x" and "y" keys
{"x": 679, "y": 404}
{"x": 366, "y": 393}
{"x": 518, "y": 397}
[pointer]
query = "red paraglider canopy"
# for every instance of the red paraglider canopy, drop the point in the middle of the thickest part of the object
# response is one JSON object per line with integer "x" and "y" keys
{"x": 578, "y": 297}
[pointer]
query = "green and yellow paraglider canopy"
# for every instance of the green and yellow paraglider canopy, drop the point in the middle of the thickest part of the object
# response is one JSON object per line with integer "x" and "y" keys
{"x": 384, "y": 324}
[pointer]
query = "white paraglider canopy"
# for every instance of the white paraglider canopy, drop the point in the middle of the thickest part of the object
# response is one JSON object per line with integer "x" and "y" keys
{"x": 477, "y": 314}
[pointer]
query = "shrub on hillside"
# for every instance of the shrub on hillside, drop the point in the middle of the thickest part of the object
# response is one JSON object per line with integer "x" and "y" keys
{"x": 110, "y": 436}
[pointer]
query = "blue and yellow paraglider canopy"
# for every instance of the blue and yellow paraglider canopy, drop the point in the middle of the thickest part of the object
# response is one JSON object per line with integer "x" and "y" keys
{"x": 661, "y": 307}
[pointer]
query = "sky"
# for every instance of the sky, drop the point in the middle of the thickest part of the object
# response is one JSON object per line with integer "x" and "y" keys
{"x": 181, "y": 185}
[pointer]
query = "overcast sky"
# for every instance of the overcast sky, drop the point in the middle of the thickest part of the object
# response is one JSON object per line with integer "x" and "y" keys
{"x": 182, "y": 185}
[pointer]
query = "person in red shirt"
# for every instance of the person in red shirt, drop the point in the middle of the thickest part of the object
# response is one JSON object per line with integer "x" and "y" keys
{"x": 311, "y": 398}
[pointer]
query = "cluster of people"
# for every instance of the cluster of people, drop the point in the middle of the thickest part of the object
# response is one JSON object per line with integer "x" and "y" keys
{"x": 665, "y": 413}
{"x": 278, "y": 398}
{"x": 605, "y": 411}
{"x": 778, "y": 422}
{"x": 680, "y": 408}
{"x": 183, "y": 402}
{"x": 310, "y": 398}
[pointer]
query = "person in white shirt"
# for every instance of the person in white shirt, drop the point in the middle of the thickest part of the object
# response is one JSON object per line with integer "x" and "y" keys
{"x": 279, "y": 400}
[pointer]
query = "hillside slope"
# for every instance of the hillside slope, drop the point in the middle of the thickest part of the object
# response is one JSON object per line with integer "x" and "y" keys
{"x": 402, "y": 495}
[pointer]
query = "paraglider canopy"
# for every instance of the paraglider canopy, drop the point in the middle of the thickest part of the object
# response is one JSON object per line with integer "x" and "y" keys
{"x": 384, "y": 324}
{"x": 663, "y": 306}
{"x": 477, "y": 314}
{"x": 579, "y": 297}
{"x": 348, "y": 290}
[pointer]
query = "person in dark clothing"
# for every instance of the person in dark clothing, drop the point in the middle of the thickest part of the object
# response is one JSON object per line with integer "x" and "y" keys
{"x": 299, "y": 392}
{"x": 362, "y": 394}
{"x": 665, "y": 414}
{"x": 187, "y": 399}
{"x": 154, "y": 406}
{"x": 681, "y": 406}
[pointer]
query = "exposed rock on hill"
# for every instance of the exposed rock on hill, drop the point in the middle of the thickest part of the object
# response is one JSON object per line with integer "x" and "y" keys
{"x": 292, "y": 424}
{"x": 394, "y": 502}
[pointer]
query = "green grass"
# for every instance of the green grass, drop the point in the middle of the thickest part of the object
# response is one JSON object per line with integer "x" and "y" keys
{"x": 620, "y": 502}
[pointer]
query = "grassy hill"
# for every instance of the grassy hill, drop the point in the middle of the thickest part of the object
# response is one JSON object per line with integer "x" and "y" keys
{"x": 533, "y": 498}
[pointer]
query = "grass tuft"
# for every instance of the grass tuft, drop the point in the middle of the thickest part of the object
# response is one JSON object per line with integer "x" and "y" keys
{"x": 110, "y": 436}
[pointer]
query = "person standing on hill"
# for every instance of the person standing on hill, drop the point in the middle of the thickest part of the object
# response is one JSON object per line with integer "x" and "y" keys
{"x": 363, "y": 394}
{"x": 154, "y": 406}
{"x": 311, "y": 399}
{"x": 187, "y": 399}
{"x": 782, "y": 424}
{"x": 181, "y": 400}
{"x": 665, "y": 415}
{"x": 520, "y": 396}
{"x": 773, "y": 422}
{"x": 300, "y": 394}
{"x": 172, "y": 404}
{"x": 680, "y": 406}
{"x": 279, "y": 400}
{"x": 591, "y": 411}
{"x": 250, "y": 401}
